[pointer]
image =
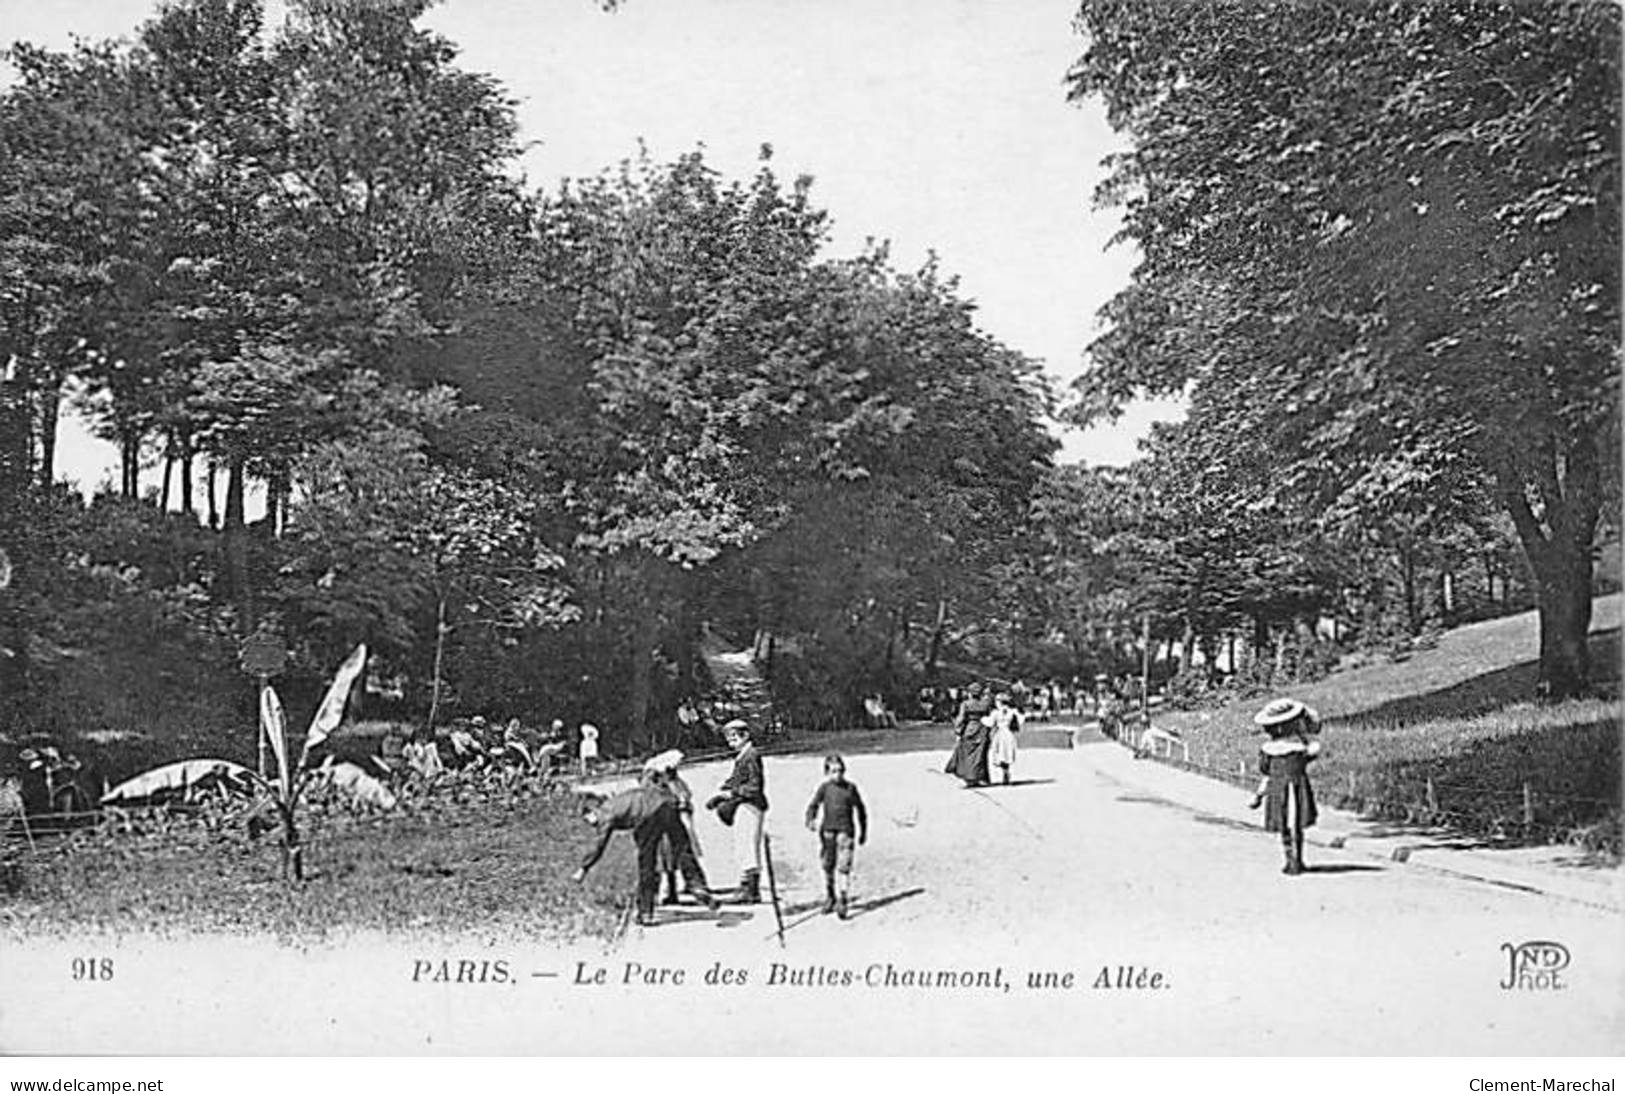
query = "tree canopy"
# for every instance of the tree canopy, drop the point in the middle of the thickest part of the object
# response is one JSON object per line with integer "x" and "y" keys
{"x": 1381, "y": 253}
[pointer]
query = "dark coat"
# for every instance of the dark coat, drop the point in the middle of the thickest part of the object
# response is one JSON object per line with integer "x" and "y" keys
{"x": 1289, "y": 800}
{"x": 747, "y": 784}
{"x": 969, "y": 761}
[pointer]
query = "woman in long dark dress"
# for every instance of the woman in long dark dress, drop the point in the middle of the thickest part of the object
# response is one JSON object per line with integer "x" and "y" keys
{"x": 1283, "y": 761}
{"x": 969, "y": 761}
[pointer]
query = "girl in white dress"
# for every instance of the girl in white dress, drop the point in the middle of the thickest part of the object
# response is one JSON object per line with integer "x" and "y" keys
{"x": 589, "y": 745}
{"x": 1006, "y": 723}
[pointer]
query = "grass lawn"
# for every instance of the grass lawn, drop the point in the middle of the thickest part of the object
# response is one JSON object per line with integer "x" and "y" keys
{"x": 473, "y": 856}
{"x": 1449, "y": 736}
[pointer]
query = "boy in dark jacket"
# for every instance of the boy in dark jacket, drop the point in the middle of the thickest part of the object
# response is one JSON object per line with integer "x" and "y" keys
{"x": 844, "y": 820}
{"x": 741, "y": 802}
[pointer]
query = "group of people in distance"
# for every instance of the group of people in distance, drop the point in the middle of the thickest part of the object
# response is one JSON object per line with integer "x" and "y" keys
{"x": 471, "y": 742}
{"x": 985, "y": 732}
{"x": 659, "y": 814}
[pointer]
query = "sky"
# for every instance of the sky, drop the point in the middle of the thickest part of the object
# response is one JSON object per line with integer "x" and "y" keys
{"x": 938, "y": 125}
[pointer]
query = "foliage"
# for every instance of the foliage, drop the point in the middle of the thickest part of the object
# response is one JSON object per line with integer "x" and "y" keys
{"x": 1381, "y": 252}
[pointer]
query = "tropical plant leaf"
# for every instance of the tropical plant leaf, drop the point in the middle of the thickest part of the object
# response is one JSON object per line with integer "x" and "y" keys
{"x": 179, "y": 776}
{"x": 331, "y": 712}
{"x": 274, "y": 726}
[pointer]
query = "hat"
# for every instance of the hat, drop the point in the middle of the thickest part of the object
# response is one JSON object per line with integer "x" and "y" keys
{"x": 1278, "y": 711}
{"x": 664, "y": 761}
{"x": 739, "y": 726}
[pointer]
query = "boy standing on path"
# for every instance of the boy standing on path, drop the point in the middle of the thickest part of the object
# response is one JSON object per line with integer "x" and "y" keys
{"x": 845, "y": 819}
{"x": 741, "y": 802}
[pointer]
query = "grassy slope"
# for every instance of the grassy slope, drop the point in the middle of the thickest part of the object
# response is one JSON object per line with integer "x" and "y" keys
{"x": 1460, "y": 717}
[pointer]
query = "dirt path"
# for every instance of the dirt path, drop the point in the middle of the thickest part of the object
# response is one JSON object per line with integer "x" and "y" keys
{"x": 1071, "y": 872}
{"x": 1072, "y": 914}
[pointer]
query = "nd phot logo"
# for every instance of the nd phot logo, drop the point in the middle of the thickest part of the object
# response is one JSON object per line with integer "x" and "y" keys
{"x": 1535, "y": 966}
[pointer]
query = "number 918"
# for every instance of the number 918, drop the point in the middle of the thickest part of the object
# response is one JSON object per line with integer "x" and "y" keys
{"x": 93, "y": 968}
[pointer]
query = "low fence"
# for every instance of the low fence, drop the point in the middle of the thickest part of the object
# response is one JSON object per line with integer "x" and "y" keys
{"x": 1526, "y": 813}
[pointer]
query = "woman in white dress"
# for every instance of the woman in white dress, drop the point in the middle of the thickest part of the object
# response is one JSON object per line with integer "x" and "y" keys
{"x": 1006, "y": 723}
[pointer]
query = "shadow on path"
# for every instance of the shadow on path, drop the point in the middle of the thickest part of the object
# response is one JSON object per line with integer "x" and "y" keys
{"x": 1340, "y": 868}
{"x": 806, "y": 911}
{"x": 864, "y": 907}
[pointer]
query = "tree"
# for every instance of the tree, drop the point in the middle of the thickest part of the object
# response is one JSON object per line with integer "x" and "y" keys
{"x": 1388, "y": 236}
{"x": 395, "y": 541}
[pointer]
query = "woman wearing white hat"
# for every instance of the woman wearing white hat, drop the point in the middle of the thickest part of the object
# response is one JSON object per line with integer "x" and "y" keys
{"x": 1284, "y": 761}
{"x": 661, "y": 770}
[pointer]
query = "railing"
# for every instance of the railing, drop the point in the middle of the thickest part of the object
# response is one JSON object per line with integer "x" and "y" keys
{"x": 1521, "y": 817}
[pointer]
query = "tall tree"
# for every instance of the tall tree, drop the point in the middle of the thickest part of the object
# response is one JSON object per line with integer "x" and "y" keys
{"x": 1391, "y": 233}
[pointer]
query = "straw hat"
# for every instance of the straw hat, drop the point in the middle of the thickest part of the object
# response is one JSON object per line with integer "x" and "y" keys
{"x": 1278, "y": 711}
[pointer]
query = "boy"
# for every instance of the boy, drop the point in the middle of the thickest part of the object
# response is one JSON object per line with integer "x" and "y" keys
{"x": 842, "y": 805}
{"x": 651, "y": 815}
{"x": 741, "y": 802}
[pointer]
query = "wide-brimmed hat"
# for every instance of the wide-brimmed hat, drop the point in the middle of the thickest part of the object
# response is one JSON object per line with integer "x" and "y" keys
{"x": 664, "y": 761}
{"x": 1278, "y": 711}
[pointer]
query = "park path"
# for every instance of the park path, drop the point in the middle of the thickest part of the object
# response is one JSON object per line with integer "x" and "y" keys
{"x": 1075, "y": 870}
{"x": 1158, "y": 924}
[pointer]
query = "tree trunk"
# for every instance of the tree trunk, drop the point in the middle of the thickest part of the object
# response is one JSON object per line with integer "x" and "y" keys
{"x": 687, "y": 637}
{"x": 440, "y": 630}
{"x": 1558, "y": 545}
{"x": 169, "y": 474}
{"x": 50, "y": 410}
{"x": 1563, "y": 587}
{"x": 214, "y": 508}
{"x": 235, "y": 537}
{"x": 1209, "y": 645}
{"x": 277, "y": 492}
{"x": 130, "y": 465}
{"x": 1407, "y": 571}
{"x": 643, "y": 651}
{"x": 187, "y": 506}
{"x": 934, "y": 651}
